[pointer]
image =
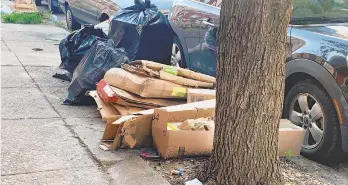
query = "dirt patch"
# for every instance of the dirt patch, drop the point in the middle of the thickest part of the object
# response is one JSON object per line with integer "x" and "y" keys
{"x": 295, "y": 171}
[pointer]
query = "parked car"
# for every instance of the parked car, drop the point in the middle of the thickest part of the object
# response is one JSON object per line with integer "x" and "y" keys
{"x": 96, "y": 11}
{"x": 52, "y": 5}
{"x": 316, "y": 89}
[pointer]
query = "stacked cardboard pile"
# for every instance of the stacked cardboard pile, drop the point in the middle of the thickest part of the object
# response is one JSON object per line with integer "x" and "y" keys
{"x": 127, "y": 98}
{"x": 146, "y": 105}
{"x": 24, "y": 6}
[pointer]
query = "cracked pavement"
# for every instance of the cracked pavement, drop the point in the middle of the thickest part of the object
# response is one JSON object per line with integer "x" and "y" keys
{"x": 43, "y": 141}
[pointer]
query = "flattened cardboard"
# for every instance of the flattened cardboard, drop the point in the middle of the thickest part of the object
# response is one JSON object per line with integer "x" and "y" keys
{"x": 196, "y": 95}
{"x": 135, "y": 99}
{"x": 176, "y": 143}
{"x": 124, "y": 110}
{"x": 108, "y": 112}
{"x": 184, "y": 81}
{"x": 290, "y": 138}
{"x": 186, "y": 73}
{"x": 144, "y": 86}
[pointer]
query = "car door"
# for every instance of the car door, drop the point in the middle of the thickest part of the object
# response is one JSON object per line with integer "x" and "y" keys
{"x": 89, "y": 11}
{"x": 75, "y": 6}
{"x": 208, "y": 29}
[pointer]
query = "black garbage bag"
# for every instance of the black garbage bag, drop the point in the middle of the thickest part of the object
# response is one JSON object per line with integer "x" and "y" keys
{"x": 144, "y": 32}
{"x": 74, "y": 47}
{"x": 99, "y": 59}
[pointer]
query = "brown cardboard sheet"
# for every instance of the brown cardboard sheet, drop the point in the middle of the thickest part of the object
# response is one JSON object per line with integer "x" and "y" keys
{"x": 144, "y": 86}
{"x": 184, "y": 81}
{"x": 290, "y": 138}
{"x": 196, "y": 95}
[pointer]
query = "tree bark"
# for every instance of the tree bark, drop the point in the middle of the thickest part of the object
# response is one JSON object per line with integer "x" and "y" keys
{"x": 250, "y": 89}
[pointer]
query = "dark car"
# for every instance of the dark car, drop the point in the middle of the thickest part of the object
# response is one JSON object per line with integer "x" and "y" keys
{"x": 52, "y": 5}
{"x": 95, "y": 11}
{"x": 316, "y": 91}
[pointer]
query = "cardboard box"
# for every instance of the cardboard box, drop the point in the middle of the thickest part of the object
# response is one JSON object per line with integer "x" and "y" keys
{"x": 144, "y": 86}
{"x": 176, "y": 143}
{"x": 134, "y": 131}
{"x": 290, "y": 138}
{"x": 196, "y": 95}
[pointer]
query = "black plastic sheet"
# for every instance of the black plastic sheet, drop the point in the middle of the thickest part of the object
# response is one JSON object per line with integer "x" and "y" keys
{"x": 144, "y": 32}
{"x": 74, "y": 47}
{"x": 100, "y": 58}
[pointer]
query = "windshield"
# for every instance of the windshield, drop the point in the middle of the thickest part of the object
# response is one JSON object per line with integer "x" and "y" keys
{"x": 319, "y": 11}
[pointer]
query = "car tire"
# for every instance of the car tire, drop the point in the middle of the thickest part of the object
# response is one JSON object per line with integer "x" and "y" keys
{"x": 176, "y": 58}
{"x": 52, "y": 8}
{"x": 71, "y": 22}
{"x": 329, "y": 147}
{"x": 38, "y": 2}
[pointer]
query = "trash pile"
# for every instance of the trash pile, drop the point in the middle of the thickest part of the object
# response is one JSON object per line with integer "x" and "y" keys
{"x": 144, "y": 103}
{"x": 139, "y": 103}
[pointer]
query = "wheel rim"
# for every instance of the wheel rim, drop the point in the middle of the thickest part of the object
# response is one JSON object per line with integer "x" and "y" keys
{"x": 176, "y": 56}
{"x": 305, "y": 111}
{"x": 69, "y": 19}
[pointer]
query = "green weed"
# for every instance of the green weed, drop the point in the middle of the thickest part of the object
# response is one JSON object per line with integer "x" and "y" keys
{"x": 22, "y": 18}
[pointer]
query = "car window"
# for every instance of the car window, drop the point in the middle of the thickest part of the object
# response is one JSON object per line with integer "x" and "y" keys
{"x": 319, "y": 11}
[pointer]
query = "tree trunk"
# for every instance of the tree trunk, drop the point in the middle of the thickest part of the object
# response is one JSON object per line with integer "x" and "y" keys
{"x": 250, "y": 89}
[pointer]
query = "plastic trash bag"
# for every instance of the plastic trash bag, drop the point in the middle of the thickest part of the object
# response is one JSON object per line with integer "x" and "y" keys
{"x": 144, "y": 32}
{"x": 100, "y": 58}
{"x": 74, "y": 47}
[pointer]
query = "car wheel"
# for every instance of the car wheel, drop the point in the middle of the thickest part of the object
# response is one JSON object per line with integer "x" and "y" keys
{"x": 309, "y": 106}
{"x": 177, "y": 58}
{"x": 38, "y": 2}
{"x": 71, "y": 22}
{"x": 51, "y": 7}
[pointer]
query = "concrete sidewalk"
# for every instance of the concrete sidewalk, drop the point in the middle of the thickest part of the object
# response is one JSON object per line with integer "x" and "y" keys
{"x": 43, "y": 141}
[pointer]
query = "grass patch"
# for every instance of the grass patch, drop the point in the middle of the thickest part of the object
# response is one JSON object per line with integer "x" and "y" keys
{"x": 22, "y": 18}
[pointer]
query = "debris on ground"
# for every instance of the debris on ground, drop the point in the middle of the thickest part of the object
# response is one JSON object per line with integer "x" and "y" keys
{"x": 37, "y": 49}
{"x": 127, "y": 91}
{"x": 193, "y": 182}
{"x": 293, "y": 172}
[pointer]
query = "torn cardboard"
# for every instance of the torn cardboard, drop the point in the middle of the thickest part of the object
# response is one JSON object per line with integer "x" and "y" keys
{"x": 197, "y": 124}
{"x": 290, "y": 138}
{"x": 134, "y": 131}
{"x": 196, "y": 95}
{"x": 176, "y": 143}
{"x": 107, "y": 111}
{"x": 144, "y": 86}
